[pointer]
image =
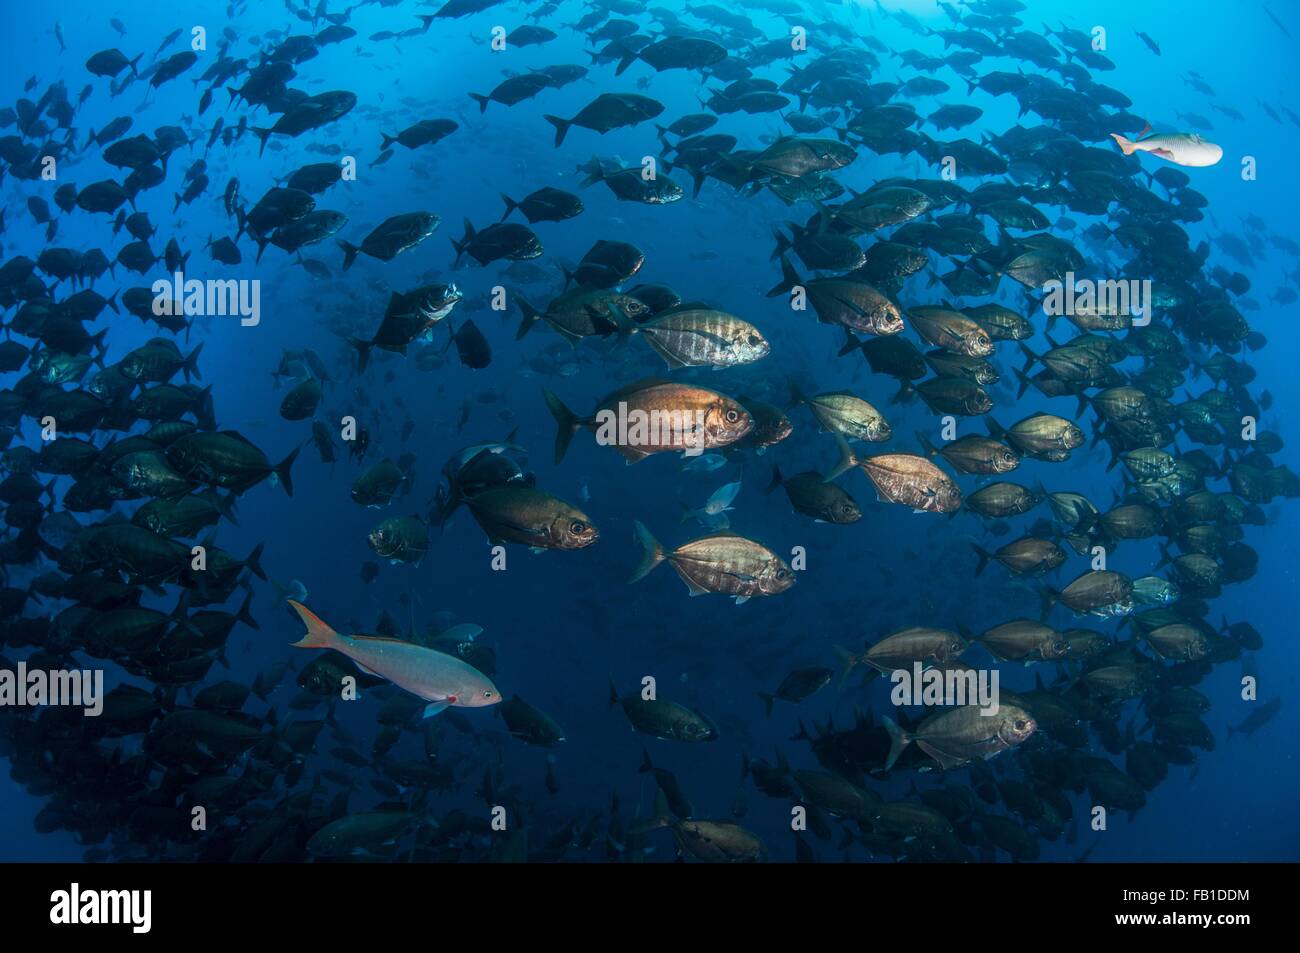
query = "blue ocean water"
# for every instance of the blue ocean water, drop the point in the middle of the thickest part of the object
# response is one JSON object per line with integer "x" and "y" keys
{"x": 563, "y": 624}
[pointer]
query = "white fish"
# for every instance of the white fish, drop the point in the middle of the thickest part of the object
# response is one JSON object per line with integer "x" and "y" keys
{"x": 1180, "y": 148}
{"x": 440, "y": 679}
{"x": 705, "y": 463}
{"x": 713, "y": 513}
{"x": 722, "y": 498}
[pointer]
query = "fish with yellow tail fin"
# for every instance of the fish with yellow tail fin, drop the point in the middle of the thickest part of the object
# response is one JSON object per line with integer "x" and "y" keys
{"x": 1180, "y": 148}
{"x": 440, "y": 679}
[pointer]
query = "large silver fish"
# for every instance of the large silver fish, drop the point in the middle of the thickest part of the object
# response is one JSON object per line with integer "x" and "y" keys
{"x": 1180, "y": 148}
{"x": 440, "y": 679}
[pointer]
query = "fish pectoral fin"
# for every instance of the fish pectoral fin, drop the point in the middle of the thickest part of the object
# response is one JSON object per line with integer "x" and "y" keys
{"x": 946, "y": 761}
{"x": 693, "y": 588}
{"x": 673, "y": 361}
{"x": 435, "y": 708}
{"x": 367, "y": 670}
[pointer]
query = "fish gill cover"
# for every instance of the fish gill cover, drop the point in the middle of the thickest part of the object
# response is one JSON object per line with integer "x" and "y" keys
{"x": 382, "y": 381}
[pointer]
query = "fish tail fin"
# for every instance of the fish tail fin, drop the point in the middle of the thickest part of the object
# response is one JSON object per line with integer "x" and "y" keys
{"x": 848, "y": 662}
{"x": 190, "y": 366}
{"x": 530, "y": 317}
{"x": 511, "y": 205}
{"x": 282, "y": 470}
{"x": 851, "y": 344}
{"x": 566, "y": 424}
{"x": 363, "y": 353}
{"x": 481, "y": 100}
{"x": 244, "y": 615}
{"x": 653, "y": 552}
{"x": 848, "y": 460}
{"x": 898, "y": 740}
{"x": 1049, "y": 598}
{"x": 1024, "y": 380}
{"x": 797, "y": 395}
{"x": 319, "y": 635}
{"x": 461, "y": 245}
{"x": 776, "y": 479}
{"x": 1030, "y": 357}
{"x": 984, "y": 557}
{"x": 929, "y": 449}
{"x": 697, "y": 182}
{"x": 561, "y": 127}
{"x": 387, "y": 141}
{"x": 350, "y": 253}
{"x": 254, "y": 561}
{"x": 789, "y": 278}
{"x": 262, "y": 135}
{"x": 1126, "y": 146}
{"x": 767, "y": 702}
{"x": 783, "y": 245}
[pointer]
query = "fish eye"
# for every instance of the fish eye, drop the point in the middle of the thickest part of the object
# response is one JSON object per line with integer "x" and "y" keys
{"x": 1020, "y": 725}
{"x": 732, "y": 416}
{"x": 577, "y": 526}
{"x": 487, "y": 693}
{"x": 781, "y": 574}
{"x": 754, "y": 340}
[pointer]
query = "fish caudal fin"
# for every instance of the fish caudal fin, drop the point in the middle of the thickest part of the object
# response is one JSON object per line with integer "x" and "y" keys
{"x": 898, "y": 740}
{"x": 848, "y": 460}
{"x": 566, "y": 423}
{"x": 282, "y": 471}
{"x": 653, "y": 553}
{"x": 349, "y": 253}
{"x": 848, "y": 661}
{"x": 561, "y": 127}
{"x": 1126, "y": 145}
{"x": 319, "y": 635}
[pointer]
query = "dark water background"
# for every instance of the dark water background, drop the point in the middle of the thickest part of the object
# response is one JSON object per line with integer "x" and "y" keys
{"x": 562, "y": 623}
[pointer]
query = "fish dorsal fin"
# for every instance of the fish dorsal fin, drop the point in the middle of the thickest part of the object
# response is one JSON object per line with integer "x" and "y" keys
{"x": 643, "y": 384}
{"x": 379, "y": 638}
